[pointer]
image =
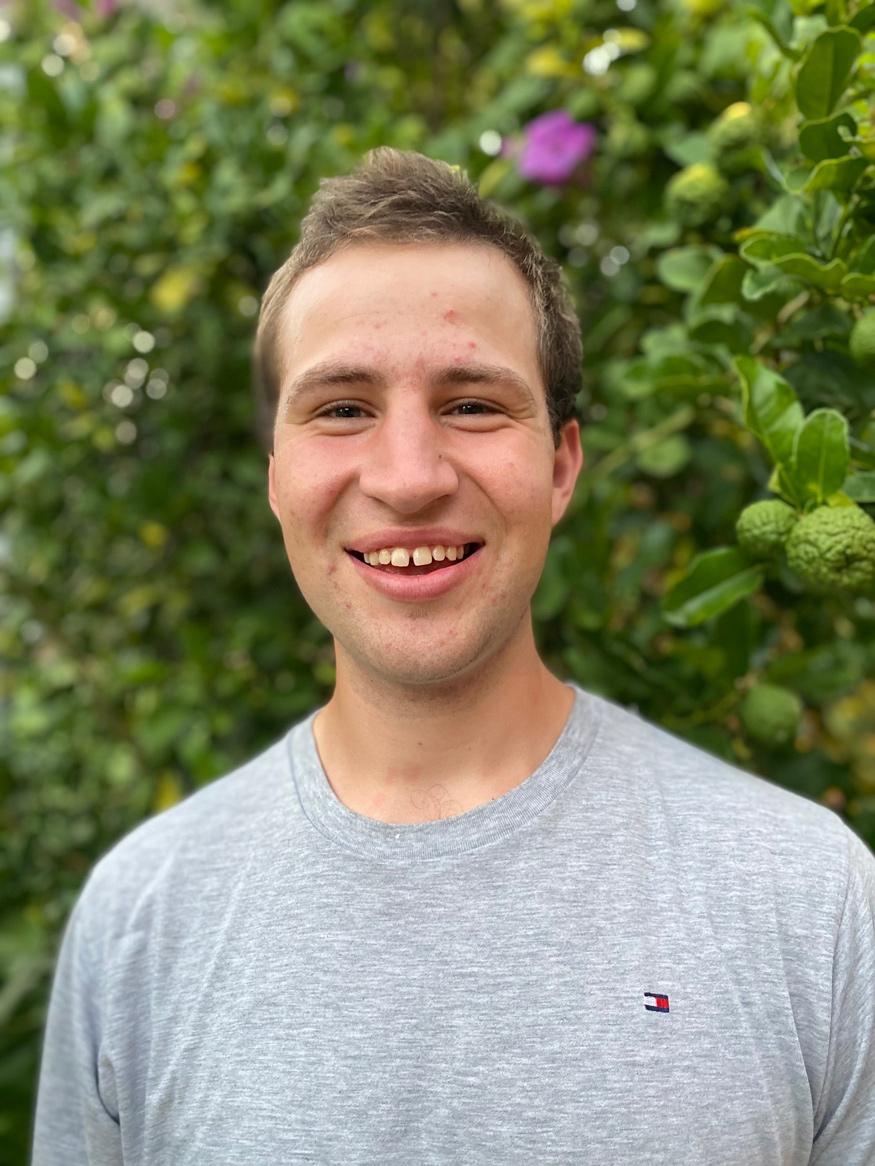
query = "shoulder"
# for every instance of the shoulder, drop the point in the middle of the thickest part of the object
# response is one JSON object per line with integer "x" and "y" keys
{"x": 729, "y": 817}
{"x": 176, "y": 851}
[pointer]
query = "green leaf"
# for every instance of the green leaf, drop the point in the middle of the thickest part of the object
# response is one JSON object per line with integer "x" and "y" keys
{"x": 836, "y": 174}
{"x": 863, "y": 453}
{"x": 822, "y": 672}
{"x": 669, "y": 340}
{"x": 826, "y": 319}
{"x": 826, "y": 276}
{"x": 676, "y": 375}
{"x": 865, "y": 260}
{"x": 665, "y": 458}
{"x": 788, "y": 215}
{"x": 722, "y": 284}
{"x": 782, "y": 43}
{"x": 687, "y": 150}
{"x": 715, "y": 581}
{"x": 820, "y": 454}
{"x": 859, "y": 283}
{"x": 860, "y": 486}
{"x": 736, "y": 632}
{"x": 771, "y": 410}
{"x": 820, "y": 139}
{"x": 865, "y": 18}
{"x": 857, "y": 287}
{"x": 684, "y": 268}
{"x": 768, "y": 246}
{"x": 722, "y": 324}
{"x": 781, "y": 483}
{"x": 824, "y": 73}
{"x": 788, "y": 255}
{"x": 829, "y": 377}
{"x": 767, "y": 281}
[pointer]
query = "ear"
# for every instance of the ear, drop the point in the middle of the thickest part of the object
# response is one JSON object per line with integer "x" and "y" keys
{"x": 271, "y": 486}
{"x": 567, "y": 463}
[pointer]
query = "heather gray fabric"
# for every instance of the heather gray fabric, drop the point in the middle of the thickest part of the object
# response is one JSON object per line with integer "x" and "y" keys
{"x": 261, "y": 976}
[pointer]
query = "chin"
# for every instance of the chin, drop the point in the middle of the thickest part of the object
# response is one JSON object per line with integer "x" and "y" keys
{"x": 416, "y": 674}
{"x": 429, "y": 669}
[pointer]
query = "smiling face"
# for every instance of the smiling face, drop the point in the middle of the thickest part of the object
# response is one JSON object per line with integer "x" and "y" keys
{"x": 413, "y": 417}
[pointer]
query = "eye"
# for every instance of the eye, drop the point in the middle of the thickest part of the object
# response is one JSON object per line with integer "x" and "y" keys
{"x": 342, "y": 411}
{"x": 474, "y": 408}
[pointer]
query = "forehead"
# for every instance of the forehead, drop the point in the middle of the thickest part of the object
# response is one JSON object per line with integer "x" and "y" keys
{"x": 393, "y": 299}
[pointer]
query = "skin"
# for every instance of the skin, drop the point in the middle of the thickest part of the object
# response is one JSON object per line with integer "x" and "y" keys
{"x": 441, "y": 704}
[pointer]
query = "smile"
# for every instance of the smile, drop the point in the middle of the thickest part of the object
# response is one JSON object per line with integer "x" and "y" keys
{"x": 420, "y": 560}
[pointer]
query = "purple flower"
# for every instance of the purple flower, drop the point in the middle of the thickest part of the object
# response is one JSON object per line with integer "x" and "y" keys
{"x": 554, "y": 146}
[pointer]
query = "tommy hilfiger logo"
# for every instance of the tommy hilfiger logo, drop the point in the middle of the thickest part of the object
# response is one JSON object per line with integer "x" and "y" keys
{"x": 659, "y": 1002}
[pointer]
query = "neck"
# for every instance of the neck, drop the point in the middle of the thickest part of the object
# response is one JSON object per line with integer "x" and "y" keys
{"x": 416, "y": 753}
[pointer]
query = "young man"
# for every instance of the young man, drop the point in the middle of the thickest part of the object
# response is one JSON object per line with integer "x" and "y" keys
{"x": 465, "y": 913}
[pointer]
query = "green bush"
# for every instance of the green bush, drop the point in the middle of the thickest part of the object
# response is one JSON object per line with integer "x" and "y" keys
{"x": 156, "y": 168}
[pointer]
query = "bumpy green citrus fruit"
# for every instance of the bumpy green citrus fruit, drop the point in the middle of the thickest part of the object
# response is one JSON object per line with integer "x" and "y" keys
{"x": 697, "y": 194}
{"x": 862, "y": 339}
{"x": 703, "y": 8}
{"x": 770, "y": 715}
{"x": 762, "y": 528}
{"x": 834, "y": 547}
{"x": 736, "y": 128}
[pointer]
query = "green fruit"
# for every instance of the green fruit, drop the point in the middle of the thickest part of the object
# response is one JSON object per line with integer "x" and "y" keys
{"x": 862, "y": 339}
{"x": 702, "y": 8}
{"x": 762, "y": 528}
{"x": 834, "y": 547}
{"x": 697, "y": 194}
{"x": 771, "y": 714}
{"x": 734, "y": 138}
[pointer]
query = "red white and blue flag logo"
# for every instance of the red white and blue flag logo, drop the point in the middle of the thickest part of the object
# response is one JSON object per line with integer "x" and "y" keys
{"x": 658, "y": 1002}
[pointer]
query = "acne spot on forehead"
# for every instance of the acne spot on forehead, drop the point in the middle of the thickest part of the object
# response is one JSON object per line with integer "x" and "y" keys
{"x": 472, "y": 344}
{"x": 451, "y": 315}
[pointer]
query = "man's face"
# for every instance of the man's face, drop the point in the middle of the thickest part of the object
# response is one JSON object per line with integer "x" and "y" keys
{"x": 413, "y": 415}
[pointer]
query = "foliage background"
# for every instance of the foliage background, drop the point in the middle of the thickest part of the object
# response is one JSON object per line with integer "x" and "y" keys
{"x": 158, "y": 158}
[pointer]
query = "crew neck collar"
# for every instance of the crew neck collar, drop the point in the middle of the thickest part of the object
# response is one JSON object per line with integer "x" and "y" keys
{"x": 487, "y": 823}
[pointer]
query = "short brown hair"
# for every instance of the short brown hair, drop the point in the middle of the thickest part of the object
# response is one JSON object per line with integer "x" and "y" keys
{"x": 398, "y": 196}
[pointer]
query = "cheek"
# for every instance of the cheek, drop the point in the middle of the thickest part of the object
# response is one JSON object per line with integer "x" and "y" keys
{"x": 308, "y": 484}
{"x": 525, "y": 484}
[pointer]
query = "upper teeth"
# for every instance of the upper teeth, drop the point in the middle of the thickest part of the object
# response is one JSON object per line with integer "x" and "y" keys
{"x": 421, "y": 556}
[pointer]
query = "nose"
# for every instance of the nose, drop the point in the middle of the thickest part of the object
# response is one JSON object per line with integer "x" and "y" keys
{"x": 407, "y": 466}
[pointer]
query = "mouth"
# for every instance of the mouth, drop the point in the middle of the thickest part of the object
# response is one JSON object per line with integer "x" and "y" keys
{"x": 423, "y": 560}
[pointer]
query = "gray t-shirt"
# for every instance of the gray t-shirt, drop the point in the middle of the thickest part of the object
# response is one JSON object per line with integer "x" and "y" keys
{"x": 638, "y": 955}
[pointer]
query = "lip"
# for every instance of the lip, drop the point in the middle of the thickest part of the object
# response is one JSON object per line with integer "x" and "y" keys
{"x": 417, "y": 588}
{"x": 399, "y": 536}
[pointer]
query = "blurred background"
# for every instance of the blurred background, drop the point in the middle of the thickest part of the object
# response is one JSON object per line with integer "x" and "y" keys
{"x": 706, "y": 175}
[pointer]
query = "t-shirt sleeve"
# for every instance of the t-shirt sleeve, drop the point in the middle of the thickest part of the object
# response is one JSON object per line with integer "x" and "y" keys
{"x": 76, "y": 1118}
{"x": 844, "y": 1119}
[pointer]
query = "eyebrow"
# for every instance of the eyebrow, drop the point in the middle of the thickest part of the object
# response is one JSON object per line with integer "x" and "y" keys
{"x": 330, "y": 373}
